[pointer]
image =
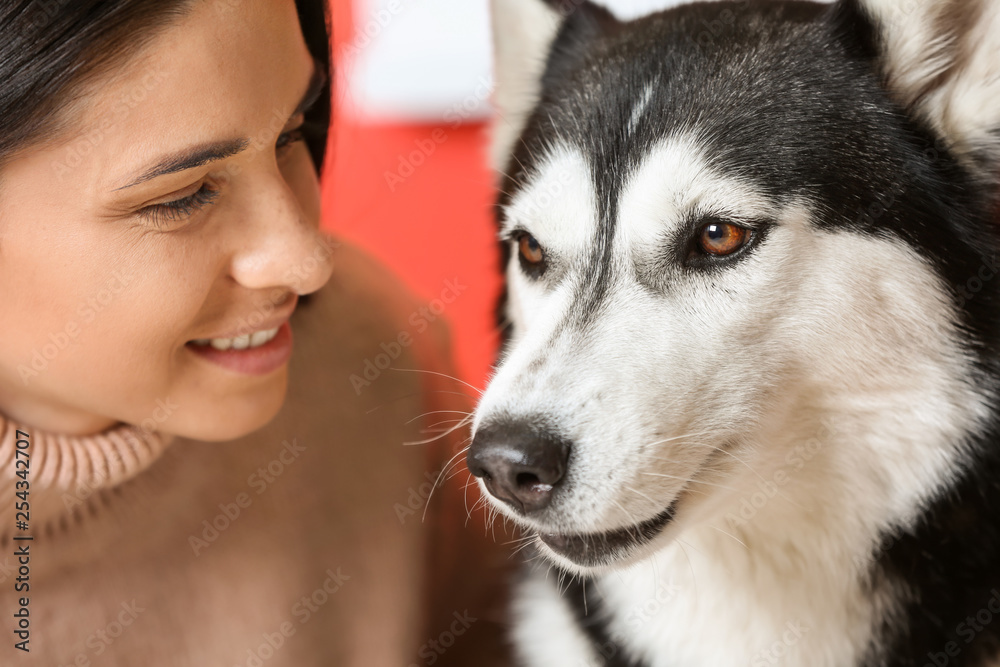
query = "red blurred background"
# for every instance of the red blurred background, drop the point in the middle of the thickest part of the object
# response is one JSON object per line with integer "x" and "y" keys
{"x": 430, "y": 227}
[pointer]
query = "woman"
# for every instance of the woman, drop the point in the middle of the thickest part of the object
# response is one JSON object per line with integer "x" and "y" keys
{"x": 191, "y": 478}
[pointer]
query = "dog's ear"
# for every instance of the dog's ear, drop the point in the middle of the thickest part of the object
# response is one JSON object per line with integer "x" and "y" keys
{"x": 524, "y": 35}
{"x": 523, "y": 32}
{"x": 940, "y": 59}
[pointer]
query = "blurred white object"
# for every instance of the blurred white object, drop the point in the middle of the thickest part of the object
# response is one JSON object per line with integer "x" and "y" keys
{"x": 429, "y": 61}
{"x": 630, "y": 9}
{"x": 419, "y": 61}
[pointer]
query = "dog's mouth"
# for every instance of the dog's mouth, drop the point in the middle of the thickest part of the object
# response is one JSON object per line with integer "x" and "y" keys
{"x": 597, "y": 549}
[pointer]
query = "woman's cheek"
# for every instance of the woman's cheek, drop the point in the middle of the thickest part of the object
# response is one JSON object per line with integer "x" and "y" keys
{"x": 151, "y": 300}
{"x": 45, "y": 334}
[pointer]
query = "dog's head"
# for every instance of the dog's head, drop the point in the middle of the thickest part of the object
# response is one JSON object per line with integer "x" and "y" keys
{"x": 738, "y": 236}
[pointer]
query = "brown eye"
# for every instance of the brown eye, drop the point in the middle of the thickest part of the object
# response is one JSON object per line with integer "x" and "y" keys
{"x": 721, "y": 238}
{"x": 531, "y": 251}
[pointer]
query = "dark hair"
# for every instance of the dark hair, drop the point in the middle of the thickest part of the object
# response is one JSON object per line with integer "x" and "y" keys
{"x": 315, "y": 20}
{"x": 49, "y": 49}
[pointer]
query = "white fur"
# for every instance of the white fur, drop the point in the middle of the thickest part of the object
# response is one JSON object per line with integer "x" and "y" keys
{"x": 523, "y": 31}
{"x": 967, "y": 107}
{"x": 557, "y": 205}
{"x": 558, "y": 209}
{"x": 547, "y": 632}
{"x": 693, "y": 188}
{"x": 946, "y": 69}
{"x": 640, "y": 106}
{"x": 796, "y": 405}
{"x": 745, "y": 579}
{"x": 834, "y": 339}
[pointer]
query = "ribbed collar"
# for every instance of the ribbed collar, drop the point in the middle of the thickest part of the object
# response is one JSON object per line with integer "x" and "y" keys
{"x": 64, "y": 471}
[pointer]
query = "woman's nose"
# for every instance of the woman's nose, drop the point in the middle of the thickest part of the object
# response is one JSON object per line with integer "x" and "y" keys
{"x": 277, "y": 245}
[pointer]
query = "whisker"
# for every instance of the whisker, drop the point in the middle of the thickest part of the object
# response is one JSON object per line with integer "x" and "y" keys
{"x": 641, "y": 494}
{"x": 415, "y": 393}
{"x": 694, "y": 579}
{"x": 729, "y": 535}
{"x": 438, "y": 437}
{"x": 727, "y": 453}
{"x": 683, "y": 435}
{"x": 519, "y": 539}
{"x": 748, "y": 467}
{"x": 687, "y": 480}
{"x": 444, "y": 375}
{"x": 520, "y": 549}
{"x": 457, "y": 470}
{"x": 436, "y": 426}
{"x": 465, "y": 500}
{"x": 452, "y": 470}
{"x": 633, "y": 525}
{"x": 437, "y": 412}
{"x": 436, "y": 481}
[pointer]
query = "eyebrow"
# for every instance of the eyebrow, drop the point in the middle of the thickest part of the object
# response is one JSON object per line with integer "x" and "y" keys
{"x": 220, "y": 150}
{"x": 190, "y": 158}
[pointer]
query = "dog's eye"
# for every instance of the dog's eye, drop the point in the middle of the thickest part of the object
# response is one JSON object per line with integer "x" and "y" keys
{"x": 531, "y": 250}
{"x": 532, "y": 258}
{"x": 722, "y": 238}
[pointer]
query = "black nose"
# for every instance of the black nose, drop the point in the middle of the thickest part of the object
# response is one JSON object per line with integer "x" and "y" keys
{"x": 519, "y": 465}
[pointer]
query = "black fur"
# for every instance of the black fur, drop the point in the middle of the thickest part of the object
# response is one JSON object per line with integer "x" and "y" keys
{"x": 790, "y": 95}
{"x": 588, "y": 608}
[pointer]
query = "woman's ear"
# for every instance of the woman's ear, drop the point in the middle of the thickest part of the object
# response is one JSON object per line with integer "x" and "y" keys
{"x": 940, "y": 60}
{"x": 526, "y": 35}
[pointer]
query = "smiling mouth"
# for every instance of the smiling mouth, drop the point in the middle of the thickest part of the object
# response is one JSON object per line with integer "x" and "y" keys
{"x": 597, "y": 549}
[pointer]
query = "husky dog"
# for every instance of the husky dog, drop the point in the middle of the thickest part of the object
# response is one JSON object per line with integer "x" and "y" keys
{"x": 748, "y": 410}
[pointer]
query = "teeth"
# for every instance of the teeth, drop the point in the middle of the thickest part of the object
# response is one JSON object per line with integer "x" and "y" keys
{"x": 222, "y": 343}
{"x": 260, "y": 337}
{"x": 244, "y": 342}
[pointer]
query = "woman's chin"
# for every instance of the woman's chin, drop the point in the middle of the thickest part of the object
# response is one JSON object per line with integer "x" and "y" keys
{"x": 236, "y": 416}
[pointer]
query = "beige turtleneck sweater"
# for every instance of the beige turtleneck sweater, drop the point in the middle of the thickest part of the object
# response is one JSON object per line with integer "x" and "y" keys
{"x": 301, "y": 544}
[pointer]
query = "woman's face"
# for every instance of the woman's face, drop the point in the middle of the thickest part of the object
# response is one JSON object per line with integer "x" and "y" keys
{"x": 181, "y": 206}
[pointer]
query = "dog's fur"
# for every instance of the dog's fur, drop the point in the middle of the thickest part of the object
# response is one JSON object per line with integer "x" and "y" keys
{"x": 816, "y": 418}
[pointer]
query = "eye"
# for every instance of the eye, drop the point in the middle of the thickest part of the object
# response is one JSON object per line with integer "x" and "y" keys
{"x": 163, "y": 213}
{"x": 530, "y": 249}
{"x": 531, "y": 255}
{"x": 722, "y": 238}
{"x": 286, "y": 139}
